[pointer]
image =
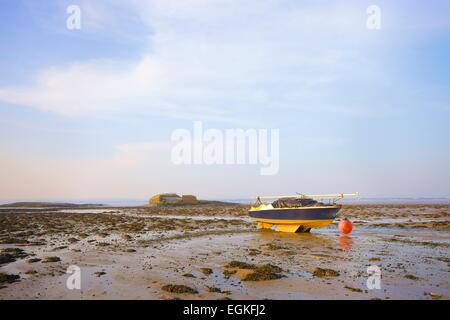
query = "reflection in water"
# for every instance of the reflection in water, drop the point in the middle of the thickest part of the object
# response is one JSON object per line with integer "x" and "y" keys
{"x": 308, "y": 239}
{"x": 346, "y": 242}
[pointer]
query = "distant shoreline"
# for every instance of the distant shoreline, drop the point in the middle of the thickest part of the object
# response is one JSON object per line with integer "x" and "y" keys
{"x": 67, "y": 205}
{"x": 224, "y": 202}
{"x": 33, "y": 204}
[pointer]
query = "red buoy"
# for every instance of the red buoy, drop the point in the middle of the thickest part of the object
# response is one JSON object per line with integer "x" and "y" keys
{"x": 345, "y": 226}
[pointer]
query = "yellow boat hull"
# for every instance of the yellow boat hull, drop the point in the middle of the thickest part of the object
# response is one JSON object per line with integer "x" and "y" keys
{"x": 292, "y": 226}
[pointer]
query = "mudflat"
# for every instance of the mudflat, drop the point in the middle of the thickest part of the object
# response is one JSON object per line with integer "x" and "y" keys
{"x": 216, "y": 252}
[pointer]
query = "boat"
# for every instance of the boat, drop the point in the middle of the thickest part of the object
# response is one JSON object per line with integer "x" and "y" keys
{"x": 297, "y": 213}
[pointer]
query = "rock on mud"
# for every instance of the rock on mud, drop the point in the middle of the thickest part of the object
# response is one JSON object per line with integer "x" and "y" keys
{"x": 51, "y": 259}
{"x": 188, "y": 275}
{"x": 433, "y": 295}
{"x": 353, "y": 289}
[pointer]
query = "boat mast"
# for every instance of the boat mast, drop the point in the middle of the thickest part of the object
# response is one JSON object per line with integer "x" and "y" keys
{"x": 317, "y": 196}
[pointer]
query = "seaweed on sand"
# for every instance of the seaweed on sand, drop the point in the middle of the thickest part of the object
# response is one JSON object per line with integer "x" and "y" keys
{"x": 253, "y": 252}
{"x": 13, "y": 241}
{"x": 271, "y": 246}
{"x": 188, "y": 275}
{"x": 319, "y": 272}
{"x": 353, "y": 289}
{"x": 374, "y": 259}
{"x": 179, "y": 288}
{"x": 213, "y": 289}
{"x": 227, "y": 273}
{"x": 264, "y": 272}
{"x": 51, "y": 259}
{"x": 259, "y": 273}
{"x": 30, "y": 272}
{"x": 411, "y": 277}
{"x": 8, "y": 278}
{"x": 9, "y": 255}
{"x": 240, "y": 265}
{"x": 206, "y": 271}
{"x": 6, "y": 258}
{"x": 126, "y": 237}
{"x": 102, "y": 234}
{"x": 102, "y": 244}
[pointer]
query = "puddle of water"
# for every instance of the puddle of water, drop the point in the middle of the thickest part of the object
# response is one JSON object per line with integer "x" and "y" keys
{"x": 196, "y": 217}
{"x": 93, "y": 211}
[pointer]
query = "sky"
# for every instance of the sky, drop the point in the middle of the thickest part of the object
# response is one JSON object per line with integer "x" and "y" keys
{"x": 89, "y": 113}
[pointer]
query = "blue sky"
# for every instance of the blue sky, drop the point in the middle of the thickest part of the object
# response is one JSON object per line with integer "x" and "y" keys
{"x": 89, "y": 113}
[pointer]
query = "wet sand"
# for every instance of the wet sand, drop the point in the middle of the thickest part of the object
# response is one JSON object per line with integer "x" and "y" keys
{"x": 216, "y": 252}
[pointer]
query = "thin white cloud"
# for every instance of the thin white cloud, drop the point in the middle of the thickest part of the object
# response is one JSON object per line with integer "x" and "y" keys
{"x": 204, "y": 58}
{"x": 88, "y": 87}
